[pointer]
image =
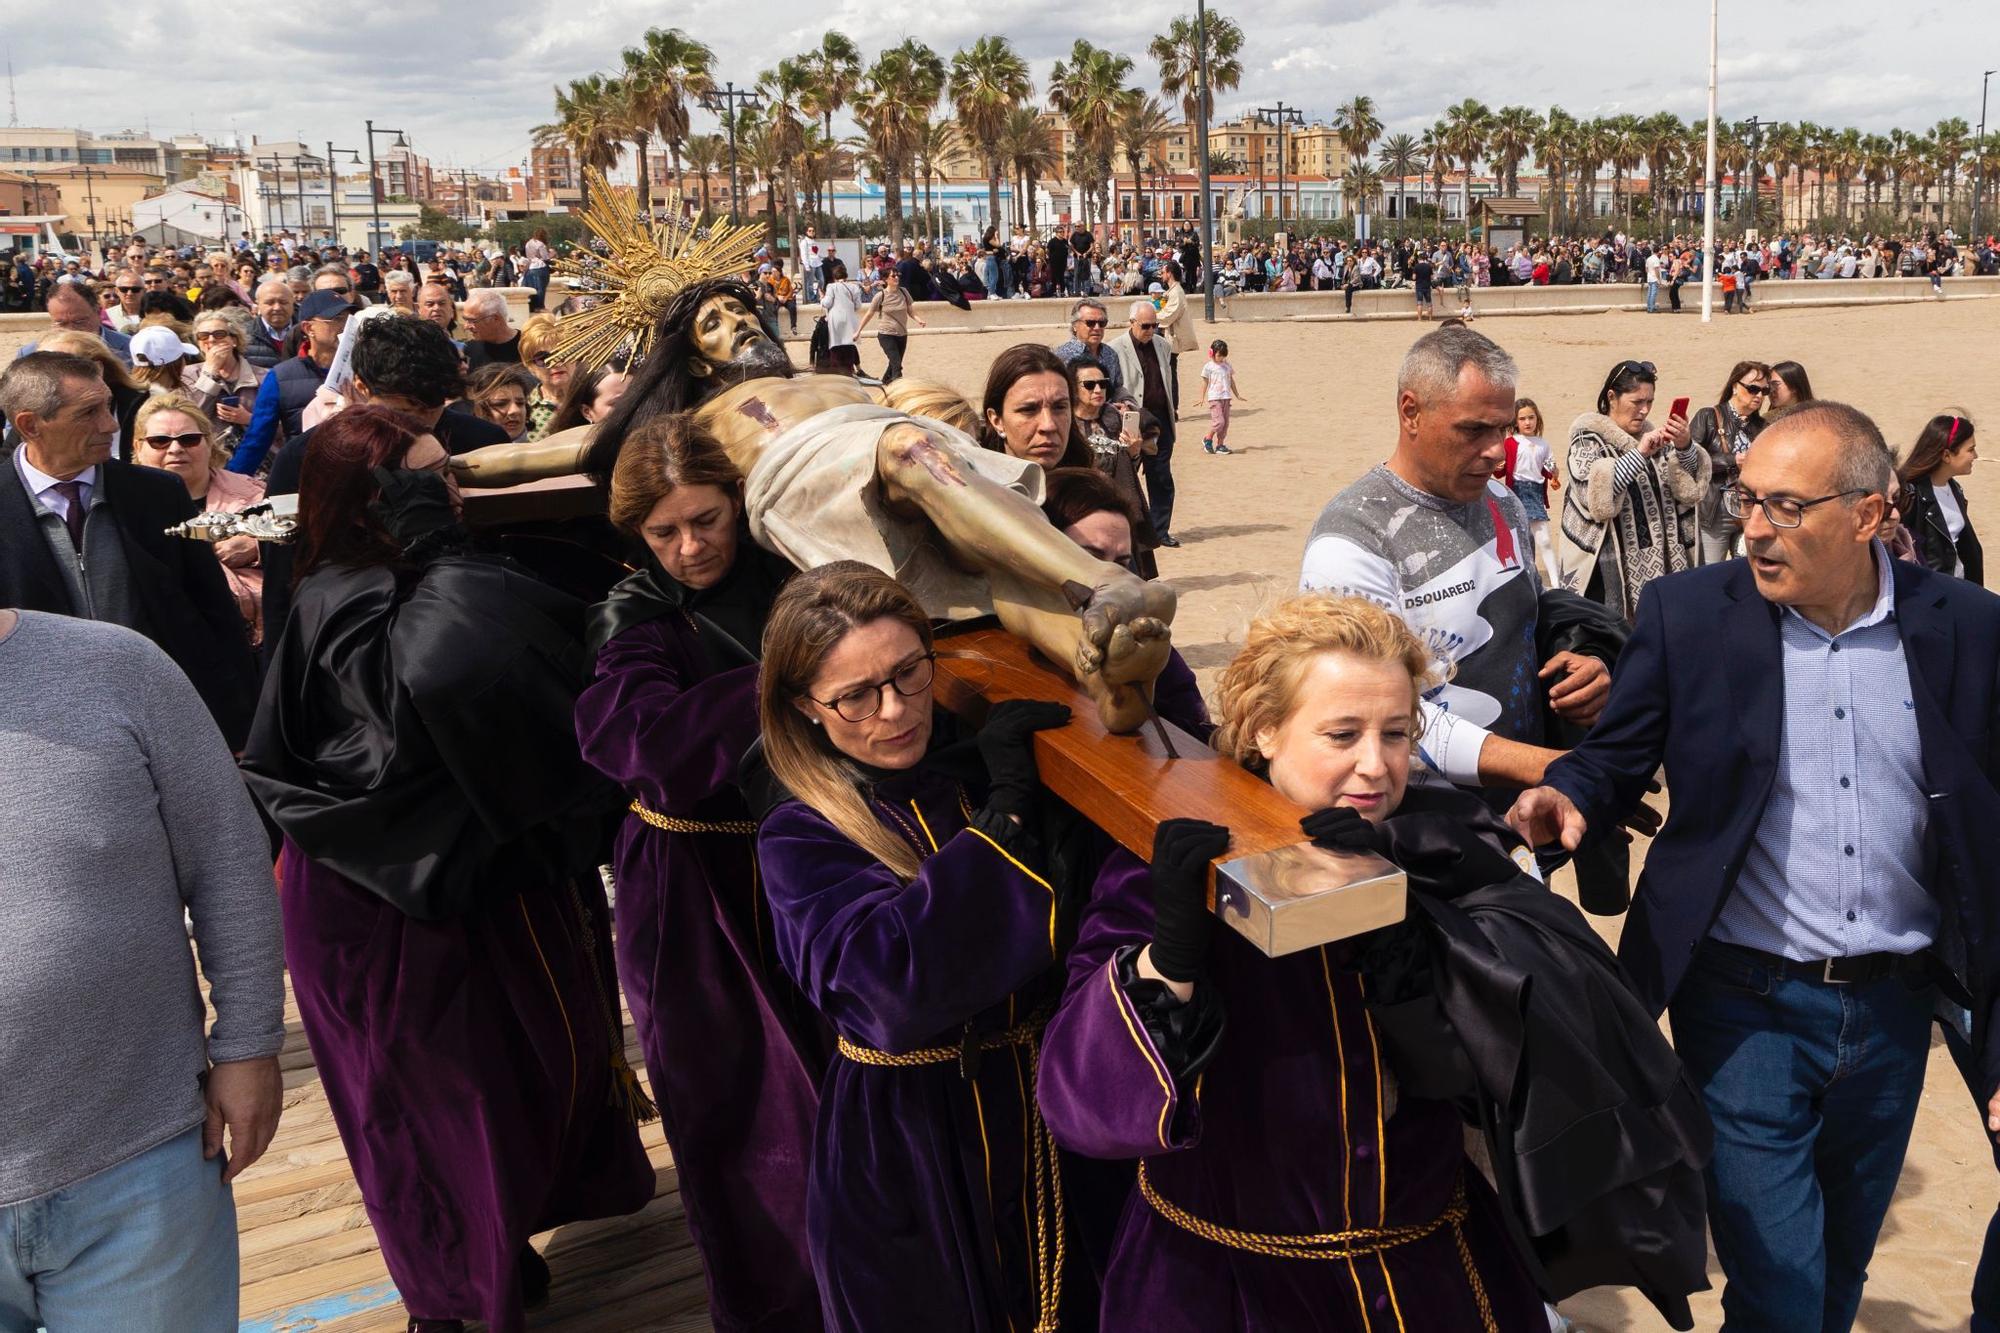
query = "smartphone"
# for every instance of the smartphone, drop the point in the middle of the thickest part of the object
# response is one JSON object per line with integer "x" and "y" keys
{"x": 1679, "y": 409}
{"x": 1129, "y": 417}
{"x": 229, "y": 400}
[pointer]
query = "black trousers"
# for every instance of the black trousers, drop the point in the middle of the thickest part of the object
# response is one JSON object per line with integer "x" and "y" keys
{"x": 893, "y": 347}
{"x": 1159, "y": 471}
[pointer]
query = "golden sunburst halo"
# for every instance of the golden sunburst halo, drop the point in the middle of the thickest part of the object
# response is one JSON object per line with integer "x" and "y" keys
{"x": 644, "y": 265}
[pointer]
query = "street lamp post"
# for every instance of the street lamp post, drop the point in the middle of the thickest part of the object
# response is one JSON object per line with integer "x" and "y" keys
{"x": 1756, "y": 126}
{"x": 1979, "y": 158}
{"x": 1281, "y": 116}
{"x": 1201, "y": 151}
{"x": 333, "y": 186}
{"x": 90, "y": 204}
{"x": 375, "y": 184}
{"x": 727, "y": 102}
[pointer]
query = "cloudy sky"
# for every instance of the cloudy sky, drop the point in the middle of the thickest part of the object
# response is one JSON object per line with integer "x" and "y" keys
{"x": 467, "y": 81}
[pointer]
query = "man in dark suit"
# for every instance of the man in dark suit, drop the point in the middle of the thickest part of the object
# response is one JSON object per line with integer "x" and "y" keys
{"x": 1827, "y": 874}
{"x": 82, "y": 534}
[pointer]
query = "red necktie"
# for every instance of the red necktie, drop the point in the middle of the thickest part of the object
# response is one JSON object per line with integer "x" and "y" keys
{"x": 72, "y": 494}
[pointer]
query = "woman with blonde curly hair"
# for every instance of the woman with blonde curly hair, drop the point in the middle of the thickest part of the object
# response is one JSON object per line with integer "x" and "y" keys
{"x": 1306, "y": 1170}
{"x": 538, "y": 345}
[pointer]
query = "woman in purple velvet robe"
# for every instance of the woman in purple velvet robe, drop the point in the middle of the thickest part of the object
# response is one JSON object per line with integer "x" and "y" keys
{"x": 1287, "y": 1184}
{"x": 445, "y": 930}
{"x": 910, "y": 904}
{"x": 734, "y": 1054}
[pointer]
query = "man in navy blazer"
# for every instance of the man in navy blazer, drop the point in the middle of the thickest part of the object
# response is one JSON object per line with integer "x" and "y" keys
{"x": 1826, "y": 878}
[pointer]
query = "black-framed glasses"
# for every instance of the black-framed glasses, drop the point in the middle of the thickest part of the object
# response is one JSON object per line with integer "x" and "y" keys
{"x": 864, "y": 701}
{"x": 185, "y": 441}
{"x": 1780, "y": 511}
{"x": 1093, "y": 386}
{"x": 123, "y": 288}
{"x": 1759, "y": 389}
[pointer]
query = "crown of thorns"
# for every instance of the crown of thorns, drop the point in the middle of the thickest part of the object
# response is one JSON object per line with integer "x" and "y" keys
{"x": 642, "y": 266}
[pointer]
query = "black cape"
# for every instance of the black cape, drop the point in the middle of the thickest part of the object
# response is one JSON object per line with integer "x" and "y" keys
{"x": 416, "y": 732}
{"x": 1598, "y": 1138}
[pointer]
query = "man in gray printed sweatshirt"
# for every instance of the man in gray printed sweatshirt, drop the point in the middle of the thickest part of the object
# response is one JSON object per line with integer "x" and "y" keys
{"x": 122, "y": 819}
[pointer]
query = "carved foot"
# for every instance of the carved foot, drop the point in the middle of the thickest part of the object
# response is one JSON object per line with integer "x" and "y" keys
{"x": 1126, "y": 638}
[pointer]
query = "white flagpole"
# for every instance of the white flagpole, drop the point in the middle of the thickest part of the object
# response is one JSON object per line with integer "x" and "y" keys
{"x": 1708, "y": 194}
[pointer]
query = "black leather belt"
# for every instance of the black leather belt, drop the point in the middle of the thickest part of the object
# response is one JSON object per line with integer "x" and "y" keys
{"x": 1853, "y": 970}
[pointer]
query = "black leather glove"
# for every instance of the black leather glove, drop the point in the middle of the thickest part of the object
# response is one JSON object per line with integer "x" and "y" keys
{"x": 1182, "y": 923}
{"x": 1341, "y": 828}
{"x": 1007, "y": 744}
{"x": 414, "y": 503}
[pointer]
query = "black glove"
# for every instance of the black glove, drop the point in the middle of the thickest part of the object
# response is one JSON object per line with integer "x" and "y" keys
{"x": 414, "y": 503}
{"x": 1007, "y": 744}
{"x": 1341, "y": 828}
{"x": 1182, "y": 849}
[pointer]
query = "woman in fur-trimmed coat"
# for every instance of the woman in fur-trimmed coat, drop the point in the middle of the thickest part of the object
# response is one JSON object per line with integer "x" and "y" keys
{"x": 1629, "y": 514}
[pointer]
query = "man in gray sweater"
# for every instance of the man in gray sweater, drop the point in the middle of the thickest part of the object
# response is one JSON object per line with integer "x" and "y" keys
{"x": 122, "y": 819}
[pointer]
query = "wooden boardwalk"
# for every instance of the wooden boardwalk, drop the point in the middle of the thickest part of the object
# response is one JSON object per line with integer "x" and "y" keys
{"x": 311, "y": 1265}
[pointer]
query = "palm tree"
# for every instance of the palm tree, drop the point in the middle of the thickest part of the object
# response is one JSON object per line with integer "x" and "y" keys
{"x": 1781, "y": 150}
{"x": 1591, "y": 147}
{"x": 988, "y": 79}
{"x": 589, "y": 123}
{"x": 1876, "y": 164}
{"x": 668, "y": 69}
{"x": 1032, "y": 154}
{"x": 1400, "y": 158}
{"x": 1949, "y": 140}
{"x": 1177, "y": 53}
{"x": 1660, "y": 138}
{"x": 1359, "y": 184}
{"x": 892, "y": 104}
{"x": 1625, "y": 149}
{"x": 1089, "y": 91}
{"x": 1466, "y": 128}
{"x": 1553, "y": 144}
{"x": 1435, "y": 145}
{"x": 1142, "y": 124}
{"x": 785, "y": 124}
{"x": 833, "y": 70}
{"x": 703, "y": 153}
{"x": 934, "y": 144}
{"x": 1510, "y": 138}
{"x": 1358, "y": 127}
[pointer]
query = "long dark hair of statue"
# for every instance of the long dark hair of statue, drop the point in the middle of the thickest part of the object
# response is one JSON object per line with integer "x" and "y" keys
{"x": 662, "y": 384}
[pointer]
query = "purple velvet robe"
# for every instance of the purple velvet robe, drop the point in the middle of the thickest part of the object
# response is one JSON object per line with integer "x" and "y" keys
{"x": 734, "y": 1054}
{"x": 920, "y": 1198}
{"x": 1290, "y": 1129}
{"x": 467, "y": 1062}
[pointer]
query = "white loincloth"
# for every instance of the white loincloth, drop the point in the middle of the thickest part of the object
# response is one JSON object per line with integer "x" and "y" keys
{"x": 815, "y": 496}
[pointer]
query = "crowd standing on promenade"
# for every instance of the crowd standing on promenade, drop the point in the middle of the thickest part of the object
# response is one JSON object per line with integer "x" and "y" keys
{"x": 929, "y": 1050}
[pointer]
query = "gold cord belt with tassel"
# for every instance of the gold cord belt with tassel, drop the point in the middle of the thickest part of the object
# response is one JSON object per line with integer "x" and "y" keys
{"x": 674, "y": 825}
{"x": 1049, "y": 1239}
{"x": 1351, "y": 1244}
{"x": 626, "y": 1091}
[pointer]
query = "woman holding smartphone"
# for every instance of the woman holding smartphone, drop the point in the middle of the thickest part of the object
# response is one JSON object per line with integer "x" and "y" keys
{"x": 1630, "y": 512}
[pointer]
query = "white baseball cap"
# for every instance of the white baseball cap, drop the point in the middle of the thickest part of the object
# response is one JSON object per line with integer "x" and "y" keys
{"x": 156, "y": 345}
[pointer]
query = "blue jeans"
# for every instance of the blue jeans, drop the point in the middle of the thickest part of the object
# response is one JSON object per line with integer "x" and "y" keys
{"x": 1813, "y": 1089}
{"x": 147, "y": 1246}
{"x": 1652, "y": 298}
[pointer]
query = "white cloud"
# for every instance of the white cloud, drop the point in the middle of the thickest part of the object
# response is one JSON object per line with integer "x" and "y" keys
{"x": 469, "y": 83}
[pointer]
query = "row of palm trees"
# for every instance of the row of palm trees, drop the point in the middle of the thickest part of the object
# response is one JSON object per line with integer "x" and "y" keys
{"x": 918, "y": 111}
{"x": 1928, "y": 166}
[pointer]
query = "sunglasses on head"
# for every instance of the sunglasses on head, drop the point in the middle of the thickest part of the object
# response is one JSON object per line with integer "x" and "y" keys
{"x": 187, "y": 441}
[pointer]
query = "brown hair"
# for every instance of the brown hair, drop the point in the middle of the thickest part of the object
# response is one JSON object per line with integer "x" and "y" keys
{"x": 1529, "y": 403}
{"x": 489, "y": 380}
{"x": 1071, "y": 494}
{"x": 181, "y": 403}
{"x": 1260, "y": 688}
{"x": 813, "y": 613}
{"x": 1736, "y": 375}
{"x": 1941, "y": 434}
{"x": 1011, "y": 366}
{"x": 661, "y": 455}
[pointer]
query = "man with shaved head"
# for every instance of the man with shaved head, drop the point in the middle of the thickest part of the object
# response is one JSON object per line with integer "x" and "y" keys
{"x": 1828, "y": 877}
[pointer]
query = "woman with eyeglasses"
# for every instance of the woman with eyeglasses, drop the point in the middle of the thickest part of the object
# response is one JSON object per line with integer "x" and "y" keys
{"x": 1114, "y": 452}
{"x": 538, "y": 343}
{"x": 224, "y": 383}
{"x": 174, "y": 435}
{"x": 1630, "y": 510}
{"x": 1933, "y": 502}
{"x": 734, "y": 1053}
{"x": 1725, "y": 433}
{"x": 914, "y": 903}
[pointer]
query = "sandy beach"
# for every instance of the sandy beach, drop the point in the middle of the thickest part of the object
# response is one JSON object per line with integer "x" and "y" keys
{"x": 1321, "y": 412}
